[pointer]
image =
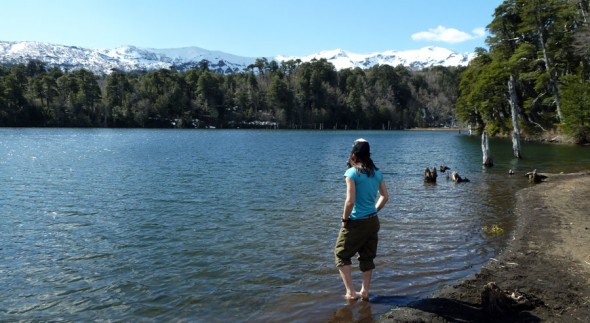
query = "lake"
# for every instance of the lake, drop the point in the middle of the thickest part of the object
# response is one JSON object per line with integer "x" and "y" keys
{"x": 239, "y": 225}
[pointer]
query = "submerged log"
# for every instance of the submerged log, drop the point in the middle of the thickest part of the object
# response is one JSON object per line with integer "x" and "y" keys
{"x": 458, "y": 179}
{"x": 498, "y": 302}
{"x": 430, "y": 175}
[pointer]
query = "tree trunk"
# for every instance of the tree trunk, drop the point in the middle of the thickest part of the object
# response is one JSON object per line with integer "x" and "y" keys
{"x": 487, "y": 156}
{"x": 582, "y": 11}
{"x": 552, "y": 79}
{"x": 515, "y": 111}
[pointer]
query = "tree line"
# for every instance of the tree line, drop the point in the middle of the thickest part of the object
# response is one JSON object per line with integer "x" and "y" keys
{"x": 536, "y": 74}
{"x": 292, "y": 95}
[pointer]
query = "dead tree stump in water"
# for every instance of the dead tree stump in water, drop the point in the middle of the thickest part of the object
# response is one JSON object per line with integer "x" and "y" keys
{"x": 430, "y": 175}
{"x": 485, "y": 147}
{"x": 458, "y": 179}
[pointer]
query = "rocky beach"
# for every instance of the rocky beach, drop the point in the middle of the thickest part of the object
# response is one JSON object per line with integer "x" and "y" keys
{"x": 544, "y": 272}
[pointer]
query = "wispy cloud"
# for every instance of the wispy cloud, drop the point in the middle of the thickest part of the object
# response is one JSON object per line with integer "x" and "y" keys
{"x": 448, "y": 35}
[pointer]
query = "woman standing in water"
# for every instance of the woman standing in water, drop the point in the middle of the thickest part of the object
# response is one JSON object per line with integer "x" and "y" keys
{"x": 360, "y": 223}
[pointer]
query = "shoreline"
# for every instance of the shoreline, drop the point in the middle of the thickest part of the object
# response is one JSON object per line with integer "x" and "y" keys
{"x": 546, "y": 260}
{"x": 437, "y": 129}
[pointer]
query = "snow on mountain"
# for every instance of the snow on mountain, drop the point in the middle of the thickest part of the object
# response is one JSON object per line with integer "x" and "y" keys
{"x": 417, "y": 59}
{"x": 131, "y": 58}
{"x": 126, "y": 58}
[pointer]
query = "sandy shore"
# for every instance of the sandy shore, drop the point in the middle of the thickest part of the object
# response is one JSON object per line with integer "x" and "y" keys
{"x": 547, "y": 260}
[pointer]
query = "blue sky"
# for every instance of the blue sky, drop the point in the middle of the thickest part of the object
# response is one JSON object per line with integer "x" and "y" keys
{"x": 252, "y": 28}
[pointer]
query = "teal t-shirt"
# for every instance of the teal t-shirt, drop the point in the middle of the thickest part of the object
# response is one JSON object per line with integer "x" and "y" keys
{"x": 366, "y": 192}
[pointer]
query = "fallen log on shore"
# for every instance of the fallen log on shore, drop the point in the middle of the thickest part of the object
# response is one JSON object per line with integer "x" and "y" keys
{"x": 500, "y": 303}
{"x": 535, "y": 177}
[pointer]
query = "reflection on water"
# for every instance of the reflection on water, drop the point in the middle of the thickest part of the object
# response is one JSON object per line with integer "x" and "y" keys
{"x": 159, "y": 225}
{"x": 354, "y": 312}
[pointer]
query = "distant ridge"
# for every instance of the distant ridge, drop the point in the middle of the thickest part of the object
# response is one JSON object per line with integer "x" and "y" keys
{"x": 131, "y": 58}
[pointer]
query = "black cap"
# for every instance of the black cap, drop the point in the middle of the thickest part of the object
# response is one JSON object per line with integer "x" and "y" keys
{"x": 361, "y": 148}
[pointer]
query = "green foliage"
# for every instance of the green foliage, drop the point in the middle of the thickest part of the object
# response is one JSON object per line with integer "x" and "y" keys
{"x": 483, "y": 100}
{"x": 576, "y": 107}
{"x": 493, "y": 230}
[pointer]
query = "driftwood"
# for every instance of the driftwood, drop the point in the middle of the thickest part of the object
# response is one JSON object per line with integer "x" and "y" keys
{"x": 458, "y": 179}
{"x": 535, "y": 177}
{"x": 498, "y": 302}
{"x": 430, "y": 175}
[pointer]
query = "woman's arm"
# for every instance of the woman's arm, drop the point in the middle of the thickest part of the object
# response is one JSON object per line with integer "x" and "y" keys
{"x": 384, "y": 196}
{"x": 350, "y": 196}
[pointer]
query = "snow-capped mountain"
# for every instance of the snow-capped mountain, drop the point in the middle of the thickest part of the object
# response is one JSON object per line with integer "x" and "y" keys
{"x": 415, "y": 59}
{"x": 131, "y": 58}
{"x": 126, "y": 58}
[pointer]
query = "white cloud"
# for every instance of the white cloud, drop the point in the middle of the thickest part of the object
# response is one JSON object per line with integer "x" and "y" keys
{"x": 479, "y": 32}
{"x": 447, "y": 35}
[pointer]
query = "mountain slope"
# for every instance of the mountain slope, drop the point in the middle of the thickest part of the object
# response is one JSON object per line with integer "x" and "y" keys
{"x": 131, "y": 58}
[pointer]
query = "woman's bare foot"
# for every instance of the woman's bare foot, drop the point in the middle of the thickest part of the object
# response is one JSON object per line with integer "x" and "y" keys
{"x": 350, "y": 297}
{"x": 363, "y": 295}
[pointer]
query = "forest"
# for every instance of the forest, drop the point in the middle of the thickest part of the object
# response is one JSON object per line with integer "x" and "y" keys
{"x": 291, "y": 95}
{"x": 534, "y": 78}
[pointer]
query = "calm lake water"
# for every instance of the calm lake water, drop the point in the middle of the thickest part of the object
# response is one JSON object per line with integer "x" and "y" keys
{"x": 220, "y": 226}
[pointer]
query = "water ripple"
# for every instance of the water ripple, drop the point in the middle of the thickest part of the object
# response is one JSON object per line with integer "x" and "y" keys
{"x": 151, "y": 225}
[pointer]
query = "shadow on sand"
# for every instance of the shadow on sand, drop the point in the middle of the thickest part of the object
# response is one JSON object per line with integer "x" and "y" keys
{"x": 444, "y": 309}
